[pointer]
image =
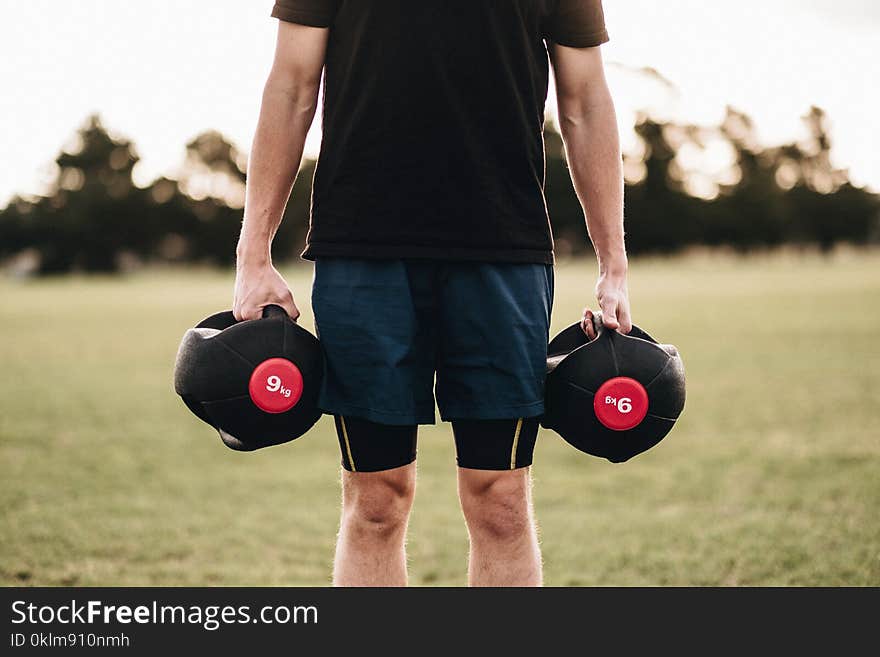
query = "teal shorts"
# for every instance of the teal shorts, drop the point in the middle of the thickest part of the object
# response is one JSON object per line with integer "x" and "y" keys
{"x": 395, "y": 332}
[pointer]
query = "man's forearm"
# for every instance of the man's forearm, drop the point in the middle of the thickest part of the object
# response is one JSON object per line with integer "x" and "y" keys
{"x": 285, "y": 117}
{"x": 589, "y": 129}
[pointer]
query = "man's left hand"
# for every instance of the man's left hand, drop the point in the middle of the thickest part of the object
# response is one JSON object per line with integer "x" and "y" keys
{"x": 613, "y": 296}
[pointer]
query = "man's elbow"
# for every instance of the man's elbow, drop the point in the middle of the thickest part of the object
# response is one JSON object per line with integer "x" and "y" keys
{"x": 582, "y": 109}
{"x": 297, "y": 92}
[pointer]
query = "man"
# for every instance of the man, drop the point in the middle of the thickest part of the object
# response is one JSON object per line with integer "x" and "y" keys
{"x": 432, "y": 246}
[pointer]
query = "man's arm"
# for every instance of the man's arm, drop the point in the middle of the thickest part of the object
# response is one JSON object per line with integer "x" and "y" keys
{"x": 290, "y": 98}
{"x": 589, "y": 130}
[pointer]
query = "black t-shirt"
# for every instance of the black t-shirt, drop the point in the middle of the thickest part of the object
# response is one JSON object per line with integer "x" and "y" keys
{"x": 433, "y": 125}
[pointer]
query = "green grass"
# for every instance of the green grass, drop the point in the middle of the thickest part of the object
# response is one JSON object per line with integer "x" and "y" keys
{"x": 772, "y": 476}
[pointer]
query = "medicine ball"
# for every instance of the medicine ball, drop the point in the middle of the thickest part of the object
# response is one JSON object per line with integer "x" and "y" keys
{"x": 255, "y": 381}
{"x": 613, "y": 397}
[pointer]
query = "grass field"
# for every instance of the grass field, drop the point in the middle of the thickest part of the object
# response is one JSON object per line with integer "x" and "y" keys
{"x": 772, "y": 476}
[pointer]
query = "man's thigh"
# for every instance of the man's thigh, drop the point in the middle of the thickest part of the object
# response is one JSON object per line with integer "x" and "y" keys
{"x": 495, "y": 322}
{"x": 494, "y": 328}
{"x": 379, "y": 349}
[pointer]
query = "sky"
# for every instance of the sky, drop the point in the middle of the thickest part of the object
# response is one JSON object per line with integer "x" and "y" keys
{"x": 161, "y": 71}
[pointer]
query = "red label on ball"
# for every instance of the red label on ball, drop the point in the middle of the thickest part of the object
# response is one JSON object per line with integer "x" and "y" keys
{"x": 621, "y": 403}
{"x": 276, "y": 385}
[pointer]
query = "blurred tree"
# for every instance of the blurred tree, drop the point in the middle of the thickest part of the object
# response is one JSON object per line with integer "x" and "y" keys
{"x": 291, "y": 236}
{"x": 785, "y": 194}
{"x": 95, "y": 218}
{"x": 93, "y": 214}
{"x": 212, "y": 184}
{"x": 214, "y": 181}
{"x": 569, "y": 231}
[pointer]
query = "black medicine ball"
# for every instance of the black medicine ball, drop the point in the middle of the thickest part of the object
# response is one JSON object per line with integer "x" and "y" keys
{"x": 255, "y": 381}
{"x": 614, "y": 397}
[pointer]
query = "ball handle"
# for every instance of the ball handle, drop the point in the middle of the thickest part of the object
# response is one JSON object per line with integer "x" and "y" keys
{"x": 273, "y": 310}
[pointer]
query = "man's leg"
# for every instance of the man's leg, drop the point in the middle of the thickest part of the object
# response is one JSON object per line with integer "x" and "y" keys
{"x": 490, "y": 385}
{"x": 494, "y": 487}
{"x": 375, "y": 509}
{"x": 379, "y": 385}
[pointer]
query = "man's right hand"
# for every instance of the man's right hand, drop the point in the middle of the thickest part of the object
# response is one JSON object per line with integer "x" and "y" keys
{"x": 258, "y": 286}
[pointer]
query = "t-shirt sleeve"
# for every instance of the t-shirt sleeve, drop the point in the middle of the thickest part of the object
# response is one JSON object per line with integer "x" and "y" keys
{"x": 314, "y": 13}
{"x": 577, "y": 23}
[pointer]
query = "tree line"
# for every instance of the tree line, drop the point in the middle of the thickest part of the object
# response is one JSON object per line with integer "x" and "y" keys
{"x": 93, "y": 216}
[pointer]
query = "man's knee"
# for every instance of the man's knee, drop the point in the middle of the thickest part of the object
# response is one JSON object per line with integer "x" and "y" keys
{"x": 377, "y": 504}
{"x": 496, "y": 503}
